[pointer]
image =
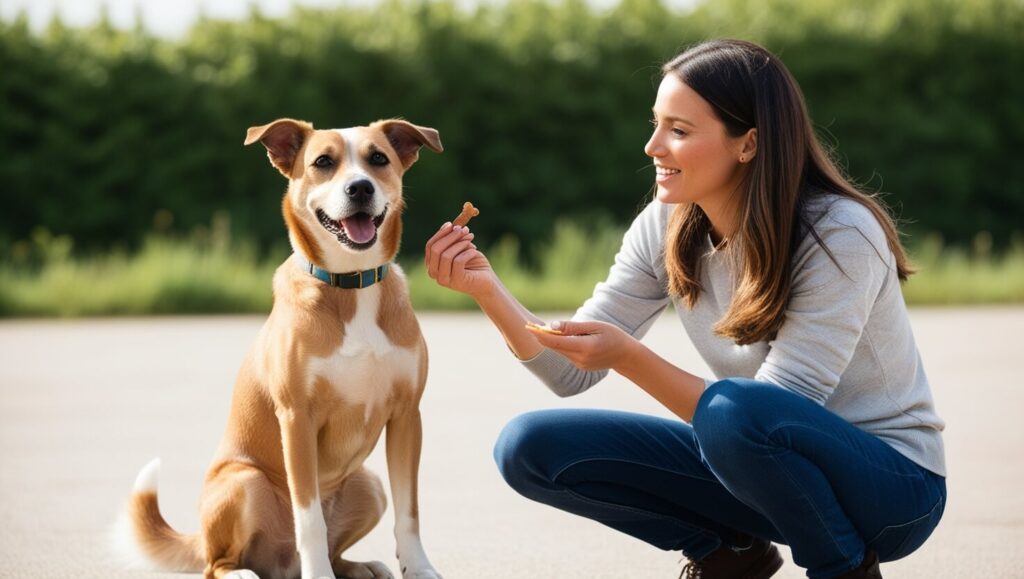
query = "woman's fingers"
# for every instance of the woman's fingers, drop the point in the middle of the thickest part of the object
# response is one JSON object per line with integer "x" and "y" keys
{"x": 460, "y": 261}
{"x": 559, "y": 343}
{"x": 438, "y": 243}
{"x": 441, "y": 242}
{"x": 561, "y": 328}
{"x": 444, "y": 268}
{"x": 445, "y": 229}
{"x": 571, "y": 328}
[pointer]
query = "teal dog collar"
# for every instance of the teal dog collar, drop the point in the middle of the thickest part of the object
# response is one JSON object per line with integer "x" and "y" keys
{"x": 349, "y": 280}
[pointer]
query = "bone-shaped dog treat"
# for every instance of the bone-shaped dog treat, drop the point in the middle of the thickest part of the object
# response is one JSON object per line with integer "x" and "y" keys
{"x": 468, "y": 212}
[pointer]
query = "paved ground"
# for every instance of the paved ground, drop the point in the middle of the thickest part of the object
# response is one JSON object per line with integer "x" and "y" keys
{"x": 83, "y": 405}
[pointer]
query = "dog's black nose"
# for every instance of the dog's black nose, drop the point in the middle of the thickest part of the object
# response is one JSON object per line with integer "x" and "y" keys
{"x": 360, "y": 190}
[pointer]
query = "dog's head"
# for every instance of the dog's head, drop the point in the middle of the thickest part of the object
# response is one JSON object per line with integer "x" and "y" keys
{"x": 344, "y": 201}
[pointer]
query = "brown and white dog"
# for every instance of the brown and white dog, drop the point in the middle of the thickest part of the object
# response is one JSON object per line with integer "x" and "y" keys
{"x": 287, "y": 492}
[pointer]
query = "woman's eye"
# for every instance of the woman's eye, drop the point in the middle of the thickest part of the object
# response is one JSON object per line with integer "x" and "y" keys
{"x": 323, "y": 161}
{"x": 378, "y": 158}
{"x": 679, "y": 132}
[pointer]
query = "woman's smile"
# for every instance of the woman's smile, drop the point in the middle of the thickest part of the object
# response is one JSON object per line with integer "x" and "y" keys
{"x": 665, "y": 173}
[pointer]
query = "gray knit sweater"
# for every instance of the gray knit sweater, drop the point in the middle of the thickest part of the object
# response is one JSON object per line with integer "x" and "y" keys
{"x": 846, "y": 341}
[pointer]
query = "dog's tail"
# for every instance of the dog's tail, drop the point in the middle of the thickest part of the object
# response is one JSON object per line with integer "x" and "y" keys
{"x": 141, "y": 538}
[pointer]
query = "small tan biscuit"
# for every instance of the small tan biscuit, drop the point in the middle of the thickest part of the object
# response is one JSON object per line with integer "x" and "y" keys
{"x": 468, "y": 212}
{"x": 545, "y": 329}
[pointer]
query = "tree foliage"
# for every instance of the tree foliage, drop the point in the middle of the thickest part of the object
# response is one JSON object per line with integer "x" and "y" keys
{"x": 107, "y": 134}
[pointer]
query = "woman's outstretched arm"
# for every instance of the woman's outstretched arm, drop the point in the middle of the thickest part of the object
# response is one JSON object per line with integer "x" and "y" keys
{"x": 454, "y": 262}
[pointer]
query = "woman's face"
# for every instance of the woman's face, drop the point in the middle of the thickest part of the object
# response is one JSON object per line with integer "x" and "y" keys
{"x": 695, "y": 158}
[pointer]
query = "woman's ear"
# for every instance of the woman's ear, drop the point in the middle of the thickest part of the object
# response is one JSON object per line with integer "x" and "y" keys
{"x": 748, "y": 146}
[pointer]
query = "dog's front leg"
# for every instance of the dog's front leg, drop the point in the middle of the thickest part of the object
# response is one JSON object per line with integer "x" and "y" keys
{"x": 404, "y": 438}
{"x": 298, "y": 439}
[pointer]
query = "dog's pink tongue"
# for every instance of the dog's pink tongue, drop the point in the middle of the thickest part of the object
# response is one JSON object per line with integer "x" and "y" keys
{"x": 359, "y": 228}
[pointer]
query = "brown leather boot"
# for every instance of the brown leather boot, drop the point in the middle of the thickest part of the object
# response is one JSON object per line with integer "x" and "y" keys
{"x": 868, "y": 568}
{"x": 758, "y": 561}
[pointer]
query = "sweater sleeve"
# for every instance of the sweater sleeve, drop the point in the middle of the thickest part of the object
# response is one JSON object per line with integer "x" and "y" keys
{"x": 631, "y": 298}
{"x": 829, "y": 307}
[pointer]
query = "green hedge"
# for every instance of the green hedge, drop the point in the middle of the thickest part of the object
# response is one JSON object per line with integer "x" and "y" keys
{"x": 107, "y": 135}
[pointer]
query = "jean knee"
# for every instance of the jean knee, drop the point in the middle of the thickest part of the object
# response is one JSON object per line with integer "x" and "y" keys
{"x": 726, "y": 414}
{"x": 722, "y": 401}
{"x": 518, "y": 447}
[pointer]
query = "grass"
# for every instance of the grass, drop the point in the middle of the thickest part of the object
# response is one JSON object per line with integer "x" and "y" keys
{"x": 955, "y": 276}
{"x": 165, "y": 277}
{"x": 175, "y": 276}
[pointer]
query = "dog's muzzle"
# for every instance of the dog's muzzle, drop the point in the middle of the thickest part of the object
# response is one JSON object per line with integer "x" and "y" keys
{"x": 358, "y": 230}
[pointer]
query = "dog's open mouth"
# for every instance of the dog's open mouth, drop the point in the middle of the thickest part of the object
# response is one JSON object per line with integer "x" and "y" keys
{"x": 358, "y": 231}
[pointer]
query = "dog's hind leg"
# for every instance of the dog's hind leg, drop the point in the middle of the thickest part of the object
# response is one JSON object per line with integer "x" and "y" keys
{"x": 353, "y": 512}
{"x": 245, "y": 526}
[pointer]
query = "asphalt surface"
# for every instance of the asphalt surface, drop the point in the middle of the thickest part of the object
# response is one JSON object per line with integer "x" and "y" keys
{"x": 85, "y": 404}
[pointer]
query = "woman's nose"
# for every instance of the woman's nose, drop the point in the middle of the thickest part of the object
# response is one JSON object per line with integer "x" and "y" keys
{"x": 654, "y": 148}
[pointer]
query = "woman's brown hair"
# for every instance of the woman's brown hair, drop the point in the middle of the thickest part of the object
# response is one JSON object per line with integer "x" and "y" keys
{"x": 748, "y": 87}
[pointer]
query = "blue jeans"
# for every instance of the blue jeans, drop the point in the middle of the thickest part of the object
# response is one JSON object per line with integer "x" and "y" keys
{"x": 757, "y": 460}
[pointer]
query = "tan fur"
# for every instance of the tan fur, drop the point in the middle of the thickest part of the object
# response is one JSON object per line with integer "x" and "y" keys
{"x": 399, "y": 323}
{"x": 157, "y": 540}
{"x": 299, "y": 233}
{"x": 330, "y": 371}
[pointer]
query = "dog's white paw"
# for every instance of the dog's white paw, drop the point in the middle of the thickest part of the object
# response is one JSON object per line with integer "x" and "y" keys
{"x": 427, "y": 573}
{"x": 241, "y": 574}
{"x": 368, "y": 570}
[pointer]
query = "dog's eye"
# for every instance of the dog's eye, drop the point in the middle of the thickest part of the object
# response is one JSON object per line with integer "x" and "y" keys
{"x": 378, "y": 158}
{"x": 323, "y": 162}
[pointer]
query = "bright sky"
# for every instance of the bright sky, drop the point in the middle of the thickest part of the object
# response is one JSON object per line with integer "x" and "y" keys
{"x": 172, "y": 18}
{"x": 164, "y": 17}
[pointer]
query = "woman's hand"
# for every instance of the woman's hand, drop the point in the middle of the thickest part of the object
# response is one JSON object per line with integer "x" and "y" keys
{"x": 455, "y": 263}
{"x": 588, "y": 345}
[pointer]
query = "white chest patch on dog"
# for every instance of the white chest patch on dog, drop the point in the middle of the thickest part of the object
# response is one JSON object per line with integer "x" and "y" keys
{"x": 367, "y": 366}
{"x": 363, "y": 337}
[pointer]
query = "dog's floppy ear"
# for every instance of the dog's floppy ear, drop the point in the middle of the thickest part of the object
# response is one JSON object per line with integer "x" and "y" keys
{"x": 283, "y": 139}
{"x": 407, "y": 138}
